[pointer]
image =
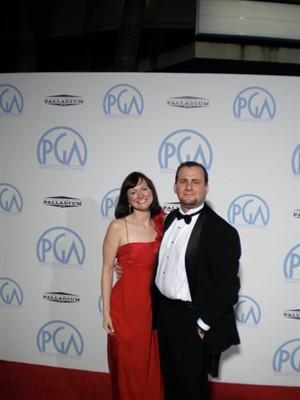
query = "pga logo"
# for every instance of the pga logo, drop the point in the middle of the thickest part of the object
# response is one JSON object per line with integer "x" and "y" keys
{"x": 291, "y": 265}
{"x": 247, "y": 311}
{"x": 60, "y": 337}
{"x": 100, "y": 304}
{"x": 11, "y": 100}
{"x": 60, "y": 246}
{"x": 184, "y": 145}
{"x": 123, "y": 100}
{"x": 109, "y": 203}
{"x": 254, "y": 103}
{"x": 11, "y": 200}
{"x": 286, "y": 357}
{"x": 11, "y": 293}
{"x": 62, "y": 146}
{"x": 296, "y": 161}
{"x": 248, "y": 209}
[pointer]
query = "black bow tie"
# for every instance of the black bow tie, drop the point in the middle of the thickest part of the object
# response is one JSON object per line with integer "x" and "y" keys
{"x": 187, "y": 217}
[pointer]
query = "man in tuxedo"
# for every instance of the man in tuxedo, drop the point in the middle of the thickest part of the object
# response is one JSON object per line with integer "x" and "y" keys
{"x": 196, "y": 287}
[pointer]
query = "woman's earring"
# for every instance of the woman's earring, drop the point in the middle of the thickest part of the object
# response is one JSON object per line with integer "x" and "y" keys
{"x": 129, "y": 208}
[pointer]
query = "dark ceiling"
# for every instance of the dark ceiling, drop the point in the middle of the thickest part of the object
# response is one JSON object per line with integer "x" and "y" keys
{"x": 94, "y": 35}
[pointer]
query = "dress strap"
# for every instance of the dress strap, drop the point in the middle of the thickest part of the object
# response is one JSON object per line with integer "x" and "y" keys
{"x": 126, "y": 227}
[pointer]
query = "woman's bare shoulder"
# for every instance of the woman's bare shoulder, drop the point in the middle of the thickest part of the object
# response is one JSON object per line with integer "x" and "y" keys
{"x": 115, "y": 232}
{"x": 117, "y": 223}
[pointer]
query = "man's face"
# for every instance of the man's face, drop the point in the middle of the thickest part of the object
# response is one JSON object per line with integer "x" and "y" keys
{"x": 190, "y": 187}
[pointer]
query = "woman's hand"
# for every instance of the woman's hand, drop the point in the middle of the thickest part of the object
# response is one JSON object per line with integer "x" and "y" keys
{"x": 107, "y": 324}
{"x": 201, "y": 333}
{"x": 118, "y": 269}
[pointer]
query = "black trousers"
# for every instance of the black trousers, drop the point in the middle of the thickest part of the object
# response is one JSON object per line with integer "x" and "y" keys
{"x": 184, "y": 355}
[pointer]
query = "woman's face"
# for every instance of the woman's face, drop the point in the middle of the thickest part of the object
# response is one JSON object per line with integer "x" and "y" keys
{"x": 140, "y": 196}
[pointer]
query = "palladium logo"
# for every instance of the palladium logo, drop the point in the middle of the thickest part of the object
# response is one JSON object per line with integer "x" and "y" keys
{"x": 62, "y": 201}
{"x": 297, "y": 213}
{"x": 170, "y": 206}
{"x": 188, "y": 102}
{"x": 292, "y": 314}
{"x": 63, "y": 100}
{"x": 61, "y": 297}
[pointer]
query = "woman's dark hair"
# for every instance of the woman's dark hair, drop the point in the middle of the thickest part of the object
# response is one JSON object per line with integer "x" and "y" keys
{"x": 192, "y": 164}
{"x": 130, "y": 182}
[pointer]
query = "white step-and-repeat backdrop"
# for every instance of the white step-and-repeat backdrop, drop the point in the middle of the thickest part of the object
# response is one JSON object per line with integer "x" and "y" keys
{"x": 67, "y": 142}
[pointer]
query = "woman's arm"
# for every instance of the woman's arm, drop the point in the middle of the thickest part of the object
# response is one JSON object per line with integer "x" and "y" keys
{"x": 110, "y": 247}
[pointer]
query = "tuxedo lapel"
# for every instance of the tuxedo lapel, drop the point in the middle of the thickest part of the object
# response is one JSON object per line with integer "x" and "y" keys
{"x": 169, "y": 219}
{"x": 193, "y": 243}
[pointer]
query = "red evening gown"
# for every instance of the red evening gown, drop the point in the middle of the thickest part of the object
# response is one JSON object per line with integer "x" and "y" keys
{"x": 133, "y": 355}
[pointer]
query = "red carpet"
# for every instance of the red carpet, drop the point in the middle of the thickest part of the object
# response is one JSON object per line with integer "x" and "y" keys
{"x": 35, "y": 382}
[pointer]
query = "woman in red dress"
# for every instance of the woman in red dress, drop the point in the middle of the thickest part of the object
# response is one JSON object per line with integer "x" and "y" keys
{"x": 133, "y": 238}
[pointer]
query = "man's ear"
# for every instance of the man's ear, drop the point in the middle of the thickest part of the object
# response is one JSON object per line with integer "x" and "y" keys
{"x": 175, "y": 188}
{"x": 207, "y": 189}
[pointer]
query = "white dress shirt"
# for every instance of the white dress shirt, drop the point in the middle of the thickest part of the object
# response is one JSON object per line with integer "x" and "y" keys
{"x": 171, "y": 278}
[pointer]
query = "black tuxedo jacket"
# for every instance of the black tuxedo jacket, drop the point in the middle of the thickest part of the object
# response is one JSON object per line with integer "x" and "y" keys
{"x": 212, "y": 263}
